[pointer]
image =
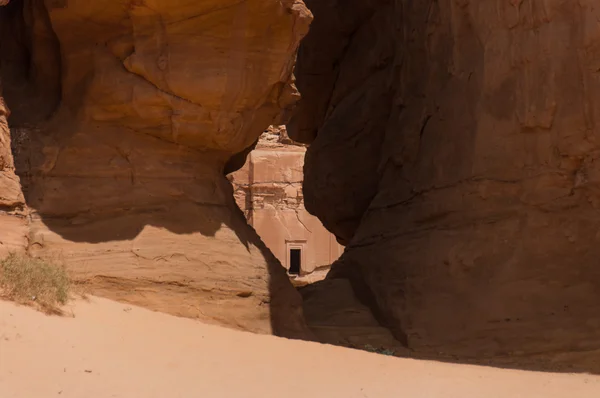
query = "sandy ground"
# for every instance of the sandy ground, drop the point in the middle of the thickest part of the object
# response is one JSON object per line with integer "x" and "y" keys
{"x": 113, "y": 350}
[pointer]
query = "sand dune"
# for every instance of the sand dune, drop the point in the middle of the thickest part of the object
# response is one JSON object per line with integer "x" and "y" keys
{"x": 113, "y": 350}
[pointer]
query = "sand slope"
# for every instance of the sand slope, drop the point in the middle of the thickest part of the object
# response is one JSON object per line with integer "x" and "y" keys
{"x": 113, "y": 350}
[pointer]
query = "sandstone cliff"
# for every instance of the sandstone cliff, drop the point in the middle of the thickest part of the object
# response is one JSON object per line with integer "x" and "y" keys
{"x": 454, "y": 149}
{"x": 126, "y": 113}
{"x": 12, "y": 223}
{"x": 268, "y": 188}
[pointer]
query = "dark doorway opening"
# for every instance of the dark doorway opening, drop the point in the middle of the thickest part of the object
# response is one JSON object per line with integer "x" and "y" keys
{"x": 295, "y": 261}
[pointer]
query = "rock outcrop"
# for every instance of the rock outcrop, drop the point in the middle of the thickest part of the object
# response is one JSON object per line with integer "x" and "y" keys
{"x": 268, "y": 188}
{"x": 10, "y": 187}
{"x": 12, "y": 222}
{"x": 123, "y": 167}
{"x": 454, "y": 149}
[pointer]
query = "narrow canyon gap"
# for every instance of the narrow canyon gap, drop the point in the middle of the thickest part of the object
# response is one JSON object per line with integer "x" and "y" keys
{"x": 124, "y": 115}
{"x": 454, "y": 151}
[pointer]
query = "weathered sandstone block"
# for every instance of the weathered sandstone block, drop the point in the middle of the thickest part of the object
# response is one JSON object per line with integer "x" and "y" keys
{"x": 125, "y": 180}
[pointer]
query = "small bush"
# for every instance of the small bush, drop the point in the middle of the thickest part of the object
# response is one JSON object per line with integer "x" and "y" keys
{"x": 381, "y": 350}
{"x": 28, "y": 280}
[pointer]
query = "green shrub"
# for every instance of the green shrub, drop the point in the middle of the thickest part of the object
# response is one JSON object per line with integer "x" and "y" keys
{"x": 29, "y": 280}
{"x": 383, "y": 351}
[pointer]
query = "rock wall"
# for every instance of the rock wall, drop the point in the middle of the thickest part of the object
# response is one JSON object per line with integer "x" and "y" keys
{"x": 125, "y": 181}
{"x": 269, "y": 191}
{"x": 12, "y": 230}
{"x": 454, "y": 149}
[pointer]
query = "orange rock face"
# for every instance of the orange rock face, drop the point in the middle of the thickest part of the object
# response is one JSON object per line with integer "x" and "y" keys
{"x": 125, "y": 180}
{"x": 456, "y": 154}
{"x": 269, "y": 191}
{"x": 10, "y": 188}
{"x": 12, "y": 224}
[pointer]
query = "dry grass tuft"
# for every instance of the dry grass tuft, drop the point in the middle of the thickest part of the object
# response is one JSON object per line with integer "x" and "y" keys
{"x": 34, "y": 281}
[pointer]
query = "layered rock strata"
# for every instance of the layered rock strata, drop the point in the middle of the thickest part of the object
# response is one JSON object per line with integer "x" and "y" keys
{"x": 123, "y": 170}
{"x": 454, "y": 150}
{"x": 269, "y": 191}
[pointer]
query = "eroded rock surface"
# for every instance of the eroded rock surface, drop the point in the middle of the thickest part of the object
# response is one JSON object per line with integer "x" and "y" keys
{"x": 10, "y": 187}
{"x": 456, "y": 154}
{"x": 125, "y": 181}
{"x": 268, "y": 188}
{"x": 12, "y": 223}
